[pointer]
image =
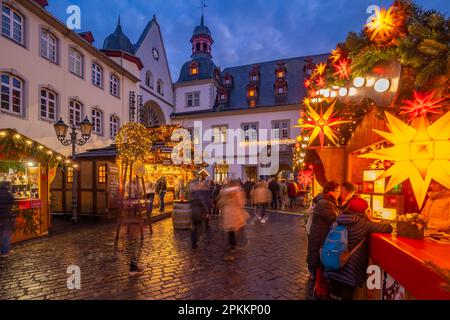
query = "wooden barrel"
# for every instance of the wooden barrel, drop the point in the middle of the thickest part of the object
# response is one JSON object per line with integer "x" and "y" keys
{"x": 181, "y": 215}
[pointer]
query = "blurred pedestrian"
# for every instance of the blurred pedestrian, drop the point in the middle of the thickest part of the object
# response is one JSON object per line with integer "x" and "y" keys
{"x": 283, "y": 194}
{"x": 161, "y": 189}
{"x": 261, "y": 198}
{"x": 150, "y": 189}
{"x": 292, "y": 193}
{"x": 275, "y": 190}
{"x": 231, "y": 202}
{"x": 248, "y": 189}
{"x": 215, "y": 197}
{"x": 7, "y": 219}
{"x": 201, "y": 205}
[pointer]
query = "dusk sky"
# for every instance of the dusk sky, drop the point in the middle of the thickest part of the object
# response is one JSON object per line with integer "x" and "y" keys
{"x": 244, "y": 31}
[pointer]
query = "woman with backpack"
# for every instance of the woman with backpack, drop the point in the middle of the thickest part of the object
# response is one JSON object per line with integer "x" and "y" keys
{"x": 326, "y": 209}
{"x": 359, "y": 227}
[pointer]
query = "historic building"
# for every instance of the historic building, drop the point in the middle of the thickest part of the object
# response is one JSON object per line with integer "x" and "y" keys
{"x": 253, "y": 98}
{"x": 48, "y": 71}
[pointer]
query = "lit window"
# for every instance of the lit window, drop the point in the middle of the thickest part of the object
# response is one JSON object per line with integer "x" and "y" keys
{"x": 114, "y": 86}
{"x": 48, "y": 105}
{"x": 48, "y": 46}
{"x": 114, "y": 125}
{"x": 101, "y": 174}
{"x": 251, "y": 92}
{"x": 12, "y": 25}
{"x": 11, "y": 98}
{"x": 69, "y": 175}
{"x": 194, "y": 68}
{"x": 75, "y": 112}
{"x": 280, "y": 74}
{"x": 76, "y": 62}
{"x": 97, "y": 75}
{"x": 252, "y": 103}
{"x": 97, "y": 121}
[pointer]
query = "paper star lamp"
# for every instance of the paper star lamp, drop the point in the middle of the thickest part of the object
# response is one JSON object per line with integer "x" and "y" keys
{"x": 319, "y": 70}
{"x": 322, "y": 125}
{"x": 305, "y": 177}
{"x": 421, "y": 105}
{"x": 420, "y": 153}
{"x": 336, "y": 54}
{"x": 383, "y": 25}
{"x": 320, "y": 82}
{"x": 342, "y": 68}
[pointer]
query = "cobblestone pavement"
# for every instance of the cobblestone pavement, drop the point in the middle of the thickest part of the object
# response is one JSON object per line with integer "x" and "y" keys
{"x": 270, "y": 266}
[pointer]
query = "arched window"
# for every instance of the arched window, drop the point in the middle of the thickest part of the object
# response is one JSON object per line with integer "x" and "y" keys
{"x": 160, "y": 87}
{"x": 114, "y": 125}
{"x": 205, "y": 47}
{"x": 13, "y": 24}
{"x": 280, "y": 87}
{"x": 114, "y": 86}
{"x": 75, "y": 112}
{"x": 76, "y": 62}
{"x": 12, "y": 94}
{"x": 48, "y": 46}
{"x": 48, "y": 104}
{"x": 97, "y": 121}
{"x": 97, "y": 75}
{"x": 198, "y": 47}
{"x": 149, "y": 79}
{"x": 194, "y": 68}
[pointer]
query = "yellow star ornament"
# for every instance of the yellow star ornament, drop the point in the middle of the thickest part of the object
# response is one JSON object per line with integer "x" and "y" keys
{"x": 420, "y": 151}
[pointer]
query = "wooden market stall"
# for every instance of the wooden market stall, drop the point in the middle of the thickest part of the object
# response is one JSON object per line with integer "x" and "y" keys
{"x": 28, "y": 168}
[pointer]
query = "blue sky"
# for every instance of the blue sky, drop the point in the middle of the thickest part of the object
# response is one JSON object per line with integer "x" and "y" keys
{"x": 244, "y": 31}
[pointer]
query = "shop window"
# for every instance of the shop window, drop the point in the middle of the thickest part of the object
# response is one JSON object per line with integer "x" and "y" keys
{"x": 101, "y": 174}
{"x": 69, "y": 175}
{"x": 12, "y": 24}
{"x": 21, "y": 178}
{"x": 11, "y": 94}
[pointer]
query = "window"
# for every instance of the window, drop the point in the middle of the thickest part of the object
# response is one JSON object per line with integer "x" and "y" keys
{"x": 75, "y": 112}
{"x": 48, "y": 46}
{"x": 12, "y": 91}
{"x": 283, "y": 127}
{"x": 280, "y": 74}
{"x": 12, "y": 25}
{"x": 193, "y": 99}
{"x": 159, "y": 87}
{"x": 114, "y": 125}
{"x": 97, "y": 75}
{"x": 149, "y": 79}
{"x": 69, "y": 175}
{"x": 223, "y": 97}
{"x": 114, "y": 86}
{"x": 194, "y": 68}
{"x": 250, "y": 131}
{"x": 227, "y": 81}
{"x": 254, "y": 77}
{"x": 76, "y": 62}
{"x": 48, "y": 105}
{"x": 101, "y": 173}
{"x": 219, "y": 134}
{"x": 281, "y": 90}
{"x": 97, "y": 121}
{"x": 251, "y": 92}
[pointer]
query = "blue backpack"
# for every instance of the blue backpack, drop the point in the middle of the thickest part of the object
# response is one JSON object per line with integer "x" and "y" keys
{"x": 334, "y": 253}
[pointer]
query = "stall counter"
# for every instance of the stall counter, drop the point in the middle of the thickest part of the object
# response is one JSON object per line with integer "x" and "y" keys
{"x": 405, "y": 260}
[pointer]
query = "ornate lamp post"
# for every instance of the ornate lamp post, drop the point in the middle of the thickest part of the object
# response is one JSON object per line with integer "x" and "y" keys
{"x": 61, "y": 131}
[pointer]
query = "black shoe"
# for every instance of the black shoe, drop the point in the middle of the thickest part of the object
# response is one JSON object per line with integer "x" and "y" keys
{"x": 134, "y": 269}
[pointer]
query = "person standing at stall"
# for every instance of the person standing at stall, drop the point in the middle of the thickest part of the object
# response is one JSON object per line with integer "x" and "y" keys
{"x": 161, "y": 189}
{"x": 6, "y": 219}
{"x": 326, "y": 210}
{"x": 437, "y": 207}
{"x": 359, "y": 227}
{"x": 150, "y": 193}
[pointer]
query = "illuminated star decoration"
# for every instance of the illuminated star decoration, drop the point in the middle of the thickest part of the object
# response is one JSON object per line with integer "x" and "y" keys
{"x": 420, "y": 152}
{"x": 342, "y": 69}
{"x": 307, "y": 83}
{"x": 305, "y": 178}
{"x": 421, "y": 105}
{"x": 322, "y": 124}
{"x": 319, "y": 70}
{"x": 320, "y": 82}
{"x": 382, "y": 25}
{"x": 336, "y": 54}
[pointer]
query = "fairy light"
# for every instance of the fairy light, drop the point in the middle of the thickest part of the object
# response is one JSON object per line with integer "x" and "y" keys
{"x": 2, "y": 134}
{"x": 359, "y": 82}
{"x": 17, "y": 136}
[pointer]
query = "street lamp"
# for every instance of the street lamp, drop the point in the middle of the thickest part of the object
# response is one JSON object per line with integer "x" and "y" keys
{"x": 61, "y": 131}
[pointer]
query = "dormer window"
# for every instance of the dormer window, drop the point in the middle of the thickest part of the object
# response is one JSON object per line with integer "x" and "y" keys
{"x": 308, "y": 68}
{"x": 251, "y": 93}
{"x": 280, "y": 74}
{"x": 227, "y": 80}
{"x": 194, "y": 68}
{"x": 254, "y": 74}
{"x": 222, "y": 95}
{"x": 280, "y": 87}
{"x": 280, "y": 70}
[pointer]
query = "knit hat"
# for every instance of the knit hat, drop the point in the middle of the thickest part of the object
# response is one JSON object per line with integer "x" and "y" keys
{"x": 357, "y": 204}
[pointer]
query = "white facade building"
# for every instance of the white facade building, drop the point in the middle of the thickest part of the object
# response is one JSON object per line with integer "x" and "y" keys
{"x": 48, "y": 72}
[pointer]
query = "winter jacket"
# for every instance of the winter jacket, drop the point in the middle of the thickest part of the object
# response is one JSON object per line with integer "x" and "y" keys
{"x": 359, "y": 227}
{"x": 6, "y": 203}
{"x": 161, "y": 186}
{"x": 260, "y": 195}
{"x": 292, "y": 190}
{"x": 274, "y": 187}
{"x": 231, "y": 202}
{"x": 326, "y": 209}
{"x": 201, "y": 204}
{"x": 437, "y": 209}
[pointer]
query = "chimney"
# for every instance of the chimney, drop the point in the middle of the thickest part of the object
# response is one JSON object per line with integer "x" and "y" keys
{"x": 87, "y": 36}
{"x": 42, "y": 3}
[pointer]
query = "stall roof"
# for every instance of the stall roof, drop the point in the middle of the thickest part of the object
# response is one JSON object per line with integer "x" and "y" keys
{"x": 105, "y": 152}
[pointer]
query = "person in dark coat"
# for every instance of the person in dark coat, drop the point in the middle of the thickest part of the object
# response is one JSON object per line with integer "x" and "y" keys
{"x": 346, "y": 192}
{"x": 248, "y": 186}
{"x": 6, "y": 219}
{"x": 201, "y": 205}
{"x": 274, "y": 187}
{"x": 215, "y": 196}
{"x": 326, "y": 210}
{"x": 359, "y": 226}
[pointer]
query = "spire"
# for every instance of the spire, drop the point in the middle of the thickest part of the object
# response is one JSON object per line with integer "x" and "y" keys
{"x": 202, "y": 21}
{"x": 119, "y": 25}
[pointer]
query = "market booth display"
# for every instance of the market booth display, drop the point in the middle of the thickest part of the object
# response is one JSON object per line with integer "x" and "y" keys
{"x": 28, "y": 168}
{"x": 377, "y": 115}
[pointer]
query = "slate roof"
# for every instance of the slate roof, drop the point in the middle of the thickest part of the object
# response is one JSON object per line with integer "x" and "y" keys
{"x": 201, "y": 29}
{"x": 206, "y": 70}
{"x": 105, "y": 152}
{"x": 118, "y": 41}
{"x": 144, "y": 34}
{"x": 266, "y": 93}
